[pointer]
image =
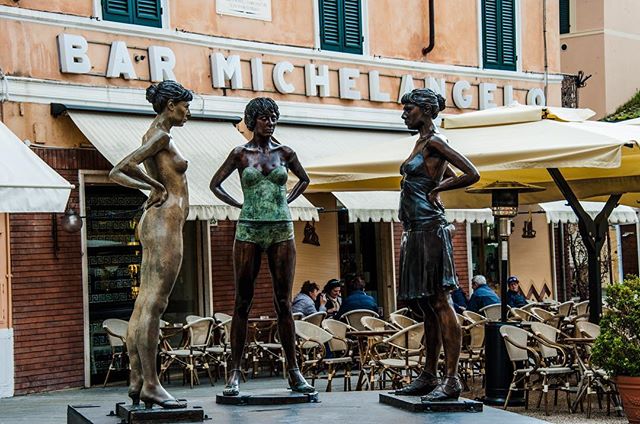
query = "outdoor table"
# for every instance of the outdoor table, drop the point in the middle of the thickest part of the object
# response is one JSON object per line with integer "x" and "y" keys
{"x": 366, "y": 340}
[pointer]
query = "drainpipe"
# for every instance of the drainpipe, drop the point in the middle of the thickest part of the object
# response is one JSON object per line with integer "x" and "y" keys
{"x": 546, "y": 59}
{"x": 432, "y": 30}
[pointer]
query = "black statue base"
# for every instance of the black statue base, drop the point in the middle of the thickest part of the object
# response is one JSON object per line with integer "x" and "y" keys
{"x": 129, "y": 414}
{"x": 274, "y": 398}
{"x": 413, "y": 404}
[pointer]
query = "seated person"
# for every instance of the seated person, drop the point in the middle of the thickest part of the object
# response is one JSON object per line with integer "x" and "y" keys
{"x": 459, "y": 299}
{"x": 514, "y": 298}
{"x": 331, "y": 292}
{"x": 304, "y": 302}
{"x": 482, "y": 294}
{"x": 357, "y": 298}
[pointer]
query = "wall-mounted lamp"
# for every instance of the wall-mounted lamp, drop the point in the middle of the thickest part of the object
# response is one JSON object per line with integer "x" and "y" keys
{"x": 310, "y": 235}
{"x": 528, "y": 231}
{"x": 71, "y": 223}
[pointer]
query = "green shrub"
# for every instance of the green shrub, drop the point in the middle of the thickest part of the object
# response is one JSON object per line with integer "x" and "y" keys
{"x": 617, "y": 349}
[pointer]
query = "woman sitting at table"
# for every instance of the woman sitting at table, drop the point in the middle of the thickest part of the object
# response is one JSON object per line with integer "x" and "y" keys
{"x": 305, "y": 301}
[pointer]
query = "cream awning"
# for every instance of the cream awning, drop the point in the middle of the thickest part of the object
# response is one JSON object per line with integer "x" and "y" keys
{"x": 560, "y": 211}
{"x": 382, "y": 206}
{"x": 27, "y": 183}
{"x": 205, "y": 144}
{"x": 596, "y": 158}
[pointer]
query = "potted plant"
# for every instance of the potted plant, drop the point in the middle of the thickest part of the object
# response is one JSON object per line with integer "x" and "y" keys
{"x": 617, "y": 349}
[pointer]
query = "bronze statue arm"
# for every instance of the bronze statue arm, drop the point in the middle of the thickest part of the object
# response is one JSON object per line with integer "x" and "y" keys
{"x": 128, "y": 173}
{"x": 303, "y": 179}
{"x": 470, "y": 174}
{"x": 222, "y": 174}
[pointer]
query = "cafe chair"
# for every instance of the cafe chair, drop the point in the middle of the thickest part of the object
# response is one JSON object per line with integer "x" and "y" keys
{"x": 473, "y": 316}
{"x": 401, "y": 321}
{"x": 534, "y": 370}
{"x": 547, "y": 317}
{"x": 353, "y": 317}
{"x": 219, "y": 350}
{"x": 193, "y": 354}
{"x": 315, "y": 318}
{"x": 472, "y": 357}
{"x": 519, "y": 314}
{"x": 493, "y": 312}
{"x": 581, "y": 308}
{"x": 398, "y": 357}
{"x": 116, "y": 330}
{"x": 297, "y": 315}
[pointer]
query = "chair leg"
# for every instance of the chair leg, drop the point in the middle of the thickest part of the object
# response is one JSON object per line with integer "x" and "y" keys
{"x": 545, "y": 389}
{"x": 113, "y": 359}
{"x": 208, "y": 368}
{"x": 511, "y": 387}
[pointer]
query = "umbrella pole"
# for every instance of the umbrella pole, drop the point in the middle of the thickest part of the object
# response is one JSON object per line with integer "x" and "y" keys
{"x": 593, "y": 233}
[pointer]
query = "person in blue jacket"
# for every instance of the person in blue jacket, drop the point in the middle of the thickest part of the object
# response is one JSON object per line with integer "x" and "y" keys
{"x": 482, "y": 295}
{"x": 357, "y": 298}
{"x": 514, "y": 298}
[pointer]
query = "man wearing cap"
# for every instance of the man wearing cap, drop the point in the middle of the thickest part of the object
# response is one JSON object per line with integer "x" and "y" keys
{"x": 514, "y": 298}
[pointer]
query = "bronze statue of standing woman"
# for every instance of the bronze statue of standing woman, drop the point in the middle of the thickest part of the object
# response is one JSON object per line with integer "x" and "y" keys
{"x": 427, "y": 273}
{"x": 160, "y": 231}
{"x": 265, "y": 225}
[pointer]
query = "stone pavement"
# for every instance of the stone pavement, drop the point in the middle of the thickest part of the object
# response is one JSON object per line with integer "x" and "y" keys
{"x": 338, "y": 406}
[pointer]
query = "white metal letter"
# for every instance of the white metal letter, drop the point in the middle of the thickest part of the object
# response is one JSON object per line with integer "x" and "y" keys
{"x": 460, "y": 99}
{"x": 226, "y": 69}
{"x": 486, "y": 95}
{"x": 507, "y": 95}
{"x": 162, "y": 60}
{"x": 438, "y": 85}
{"x": 535, "y": 97}
{"x": 120, "y": 62}
{"x": 72, "y": 52}
{"x": 257, "y": 74}
{"x": 347, "y": 78}
{"x": 313, "y": 80}
{"x": 375, "y": 95}
{"x": 278, "y": 77}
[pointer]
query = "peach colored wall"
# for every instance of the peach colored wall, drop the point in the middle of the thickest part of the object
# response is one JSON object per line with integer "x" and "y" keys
{"x": 456, "y": 36}
{"x": 622, "y": 64}
{"x": 532, "y": 40}
{"x": 530, "y": 258}
{"x": 589, "y": 15}
{"x": 292, "y": 22}
{"x": 622, "y": 15}
{"x": 395, "y": 33}
{"x": 74, "y": 7}
{"x": 586, "y": 53}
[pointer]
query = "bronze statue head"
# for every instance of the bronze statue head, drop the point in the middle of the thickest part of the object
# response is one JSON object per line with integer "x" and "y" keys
{"x": 172, "y": 98}
{"x": 260, "y": 106}
{"x": 418, "y": 102}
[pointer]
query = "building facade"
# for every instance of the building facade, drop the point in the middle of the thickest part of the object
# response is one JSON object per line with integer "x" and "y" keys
{"x": 75, "y": 75}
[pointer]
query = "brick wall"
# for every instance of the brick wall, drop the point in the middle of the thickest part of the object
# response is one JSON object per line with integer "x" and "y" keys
{"x": 223, "y": 290}
{"x": 47, "y": 289}
{"x": 629, "y": 250}
{"x": 459, "y": 254}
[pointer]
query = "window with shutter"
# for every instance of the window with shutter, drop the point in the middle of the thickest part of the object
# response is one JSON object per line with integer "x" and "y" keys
{"x": 499, "y": 34}
{"x": 341, "y": 25}
{"x": 565, "y": 17}
{"x": 138, "y": 12}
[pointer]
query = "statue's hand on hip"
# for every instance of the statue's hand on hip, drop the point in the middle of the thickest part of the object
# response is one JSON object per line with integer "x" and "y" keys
{"x": 157, "y": 197}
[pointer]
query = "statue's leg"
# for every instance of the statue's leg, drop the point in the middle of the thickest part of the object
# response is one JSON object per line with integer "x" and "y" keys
{"x": 450, "y": 386}
{"x": 427, "y": 380}
{"x": 162, "y": 255}
{"x": 246, "y": 265}
{"x": 282, "y": 264}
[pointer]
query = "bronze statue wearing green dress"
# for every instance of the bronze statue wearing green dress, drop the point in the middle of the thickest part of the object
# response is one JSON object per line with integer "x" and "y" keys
{"x": 264, "y": 225}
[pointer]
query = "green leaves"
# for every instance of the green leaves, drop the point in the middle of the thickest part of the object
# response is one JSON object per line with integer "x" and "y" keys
{"x": 617, "y": 349}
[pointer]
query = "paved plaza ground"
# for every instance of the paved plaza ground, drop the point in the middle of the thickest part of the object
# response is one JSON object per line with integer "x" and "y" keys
{"x": 50, "y": 408}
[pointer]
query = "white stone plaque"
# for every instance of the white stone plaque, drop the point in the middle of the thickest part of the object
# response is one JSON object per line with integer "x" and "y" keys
{"x": 253, "y": 9}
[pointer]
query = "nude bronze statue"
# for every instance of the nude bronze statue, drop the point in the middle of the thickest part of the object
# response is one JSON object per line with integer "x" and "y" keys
{"x": 160, "y": 232}
{"x": 427, "y": 273}
{"x": 264, "y": 225}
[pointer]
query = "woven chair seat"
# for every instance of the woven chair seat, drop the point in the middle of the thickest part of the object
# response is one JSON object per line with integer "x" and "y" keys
{"x": 217, "y": 350}
{"x": 270, "y": 346}
{"x": 184, "y": 352}
{"x": 397, "y": 362}
{"x": 344, "y": 360}
{"x": 554, "y": 370}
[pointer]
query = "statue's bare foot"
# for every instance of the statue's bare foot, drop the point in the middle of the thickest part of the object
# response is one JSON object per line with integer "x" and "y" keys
{"x": 233, "y": 385}
{"x": 297, "y": 382}
{"x": 157, "y": 395}
{"x": 135, "y": 386}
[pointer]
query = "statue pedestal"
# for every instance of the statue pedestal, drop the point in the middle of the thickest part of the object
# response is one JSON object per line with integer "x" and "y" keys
{"x": 413, "y": 404}
{"x": 269, "y": 398}
{"x": 129, "y": 414}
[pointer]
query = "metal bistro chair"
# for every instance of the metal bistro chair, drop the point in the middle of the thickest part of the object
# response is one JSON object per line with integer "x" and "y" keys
{"x": 473, "y": 316}
{"x": 401, "y": 321}
{"x": 492, "y": 312}
{"x": 316, "y": 318}
{"x": 398, "y": 356}
{"x": 116, "y": 330}
{"x": 353, "y": 317}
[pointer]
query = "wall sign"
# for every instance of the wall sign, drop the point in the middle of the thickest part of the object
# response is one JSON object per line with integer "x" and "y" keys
{"x": 253, "y": 9}
{"x": 228, "y": 72}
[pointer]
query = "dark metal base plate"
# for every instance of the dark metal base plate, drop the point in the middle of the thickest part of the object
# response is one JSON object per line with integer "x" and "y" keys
{"x": 413, "y": 404}
{"x": 138, "y": 414}
{"x": 275, "y": 398}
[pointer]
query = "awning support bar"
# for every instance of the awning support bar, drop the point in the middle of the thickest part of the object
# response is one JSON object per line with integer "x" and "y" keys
{"x": 593, "y": 233}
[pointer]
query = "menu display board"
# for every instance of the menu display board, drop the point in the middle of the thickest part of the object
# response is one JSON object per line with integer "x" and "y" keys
{"x": 114, "y": 255}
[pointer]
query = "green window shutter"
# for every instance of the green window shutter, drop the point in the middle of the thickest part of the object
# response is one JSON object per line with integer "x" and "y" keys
{"x": 499, "y": 34}
{"x": 341, "y": 26}
{"x": 117, "y": 10}
{"x": 352, "y": 27}
{"x": 148, "y": 13}
{"x": 565, "y": 17}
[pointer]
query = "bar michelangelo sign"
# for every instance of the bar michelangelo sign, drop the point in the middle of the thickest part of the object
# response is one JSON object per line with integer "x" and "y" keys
{"x": 227, "y": 72}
